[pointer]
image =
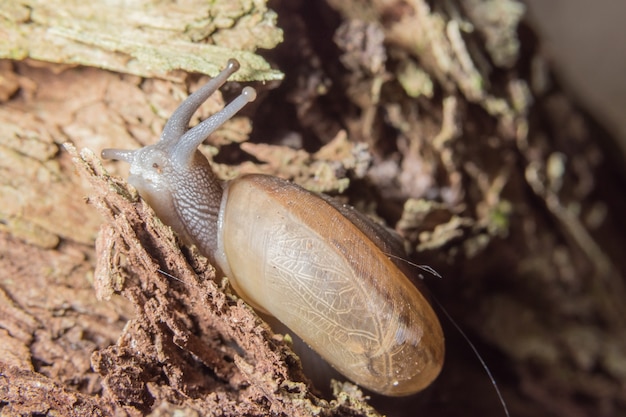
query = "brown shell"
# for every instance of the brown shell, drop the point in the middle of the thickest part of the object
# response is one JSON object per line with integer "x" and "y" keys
{"x": 292, "y": 254}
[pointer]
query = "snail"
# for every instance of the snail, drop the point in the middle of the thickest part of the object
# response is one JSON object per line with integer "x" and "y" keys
{"x": 321, "y": 268}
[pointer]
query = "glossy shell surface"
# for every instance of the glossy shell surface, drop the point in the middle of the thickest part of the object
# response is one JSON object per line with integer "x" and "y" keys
{"x": 293, "y": 255}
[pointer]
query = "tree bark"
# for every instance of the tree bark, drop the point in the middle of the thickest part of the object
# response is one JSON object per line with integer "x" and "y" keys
{"x": 443, "y": 121}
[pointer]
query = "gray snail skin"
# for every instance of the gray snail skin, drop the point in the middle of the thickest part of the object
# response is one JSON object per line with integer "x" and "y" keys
{"x": 319, "y": 267}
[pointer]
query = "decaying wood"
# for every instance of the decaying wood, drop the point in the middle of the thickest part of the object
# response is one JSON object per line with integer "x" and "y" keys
{"x": 146, "y": 38}
{"x": 443, "y": 121}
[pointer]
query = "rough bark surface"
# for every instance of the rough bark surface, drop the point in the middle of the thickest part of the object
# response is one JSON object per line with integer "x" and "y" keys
{"x": 148, "y": 38}
{"x": 439, "y": 118}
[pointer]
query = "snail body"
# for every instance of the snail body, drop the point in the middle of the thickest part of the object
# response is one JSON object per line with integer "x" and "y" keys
{"x": 319, "y": 267}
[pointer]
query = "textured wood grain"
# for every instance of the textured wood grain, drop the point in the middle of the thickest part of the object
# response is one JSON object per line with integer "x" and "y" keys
{"x": 146, "y": 38}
